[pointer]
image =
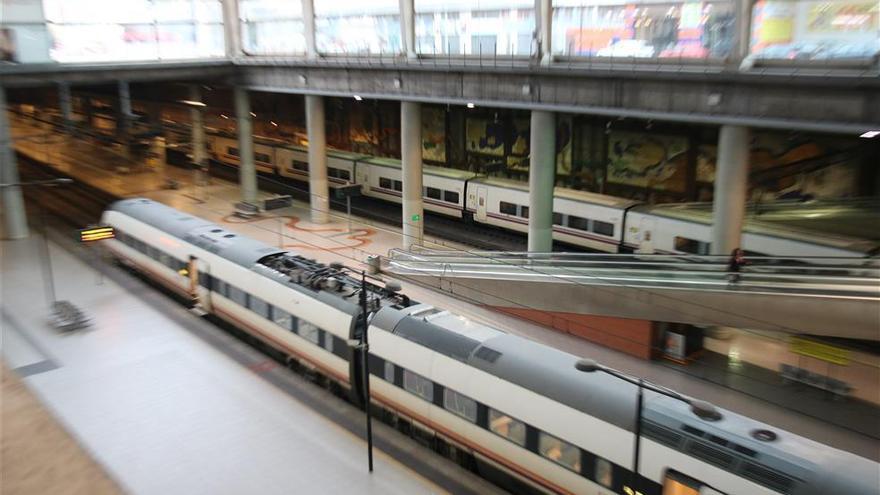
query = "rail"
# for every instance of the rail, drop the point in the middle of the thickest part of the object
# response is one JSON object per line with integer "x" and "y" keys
{"x": 829, "y": 277}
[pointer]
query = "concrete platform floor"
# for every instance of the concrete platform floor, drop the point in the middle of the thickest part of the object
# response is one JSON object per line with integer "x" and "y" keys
{"x": 332, "y": 242}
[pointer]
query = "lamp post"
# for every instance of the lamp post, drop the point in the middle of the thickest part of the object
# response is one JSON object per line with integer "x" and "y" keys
{"x": 364, "y": 347}
{"x": 700, "y": 408}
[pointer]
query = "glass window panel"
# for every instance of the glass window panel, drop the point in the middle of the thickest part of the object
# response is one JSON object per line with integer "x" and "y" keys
{"x": 603, "y": 228}
{"x": 418, "y": 385}
{"x": 560, "y": 452}
{"x": 604, "y": 473}
{"x": 259, "y": 306}
{"x": 237, "y": 295}
{"x": 268, "y": 10}
{"x": 434, "y": 193}
{"x": 281, "y": 318}
{"x": 309, "y": 332}
{"x": 389, "y": 371}
{"x": 507, "y": 427}
{"x": 190, "y": 40}
{"x": 557, "y": 218}
{"x": 680, "y": 29}
{"x": 478, "y": 28}
{"x": 328, "y": 341}
{"x": 460, "y": 405}
{"x": 507, "y": 208}
{"x": 398, "y": 186}
{"x": 273, "y": 37}
{"x": 524, "y": 211}
{"x": 451, "y": 196}
{"x": 384, "y": 183}
{"x": 579, "y": 223}
{"x": 357, "y": 27}
{"x": 815, "y": 30}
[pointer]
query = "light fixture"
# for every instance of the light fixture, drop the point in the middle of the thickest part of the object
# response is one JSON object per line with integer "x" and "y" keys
{"x": 470, "y": 105}
{"x": 193, "y": 103}
{"x": 223, "y": 116}
{"x": 870, "y": 134}
{"x": 357, "y": 98}
{"x": 253, "y": 114}
{"x": 273, "y": 123}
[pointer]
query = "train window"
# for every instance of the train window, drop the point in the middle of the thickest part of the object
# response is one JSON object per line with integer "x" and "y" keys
{"x": 459, "y": 404}
{"x": 309, "y": 332}
{"x": 398, "y": 186}
{"x": 220, "y": 287}
{"x": 260, "y": 307}
{"x": 507, "y": 208}
{"x": 344, "y": 174}
{"x": 507, "y": 427}
{"x": 603, "y": 228}
{"x": 604, "y": 472}
{"x": 232, "y": 151}
{"x": 281, "y": 318}
{"x": 205, "y": 279}
{"x": 560, "y": 452}
{"x": 433, "y": 193}
{"x": 419, "y": 385}
{"x": 328, "y": 342}
{"x": 262, "y": 157}
{"x": 384, "y": 183}
{"x": 692, "y": 246}
{"x": 237, "y": 295}
{"x": 579, "y": 223}
{"x": 675, "y": 483}
{"x": 300, "y": 166}
{"x": 450, "y": 197}
{"x": 557, "y": 218}
{"x": 524, "y": 211}
{"x": 389, "y": 372}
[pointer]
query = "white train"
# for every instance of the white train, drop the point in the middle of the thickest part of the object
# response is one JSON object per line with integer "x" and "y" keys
{"x": 518, "y": 409}
{"x": 588, "y": 220}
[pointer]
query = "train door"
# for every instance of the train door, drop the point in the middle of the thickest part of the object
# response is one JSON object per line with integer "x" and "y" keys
{"x": 646, "y": 235}
{"x": 675, "y": 483}
{"x": 362, "y": 176}
{"x": 482, "y": 200}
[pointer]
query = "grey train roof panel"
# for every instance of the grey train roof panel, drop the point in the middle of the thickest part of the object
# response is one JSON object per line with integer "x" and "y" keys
{"x": 551, "y": 373}
{"x": 436, "y": 338}
{"x": 241, "y": 250}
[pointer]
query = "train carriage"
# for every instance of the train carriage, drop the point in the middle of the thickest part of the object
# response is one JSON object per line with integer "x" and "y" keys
{"x": 580, "y": 218}
{"x": 443, "y": 190}
{"x": 293, "y": 163}
{"x": 226, "y": 150}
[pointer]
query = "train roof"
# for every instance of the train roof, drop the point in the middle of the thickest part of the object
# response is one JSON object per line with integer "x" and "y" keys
{"x": 702, "y": 213}
{"x": 241, "y": 250}
{"x": 562, "y": 192}
{"x": 325, "y": 283}
{"x": 450, "y": 173}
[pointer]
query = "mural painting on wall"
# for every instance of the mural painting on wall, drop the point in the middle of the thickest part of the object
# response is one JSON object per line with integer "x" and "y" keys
{"x": 362, "y": 130}
{"x": 485, "y": 136}
{"x": 793, "y": 167}
{"x": 434, "y": 134}
{"x": 649, "y": 161}
{"x": 563, "y": 145}
{"x": 519, "y": 148}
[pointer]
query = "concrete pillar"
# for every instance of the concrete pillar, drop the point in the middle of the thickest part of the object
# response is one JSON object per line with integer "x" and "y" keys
{"x": 231, "y": 28}
{"x": 14, "y": 219}
{"x": 197, "y": 115}
{"x": 247, "y": 171}
{"x": 157, "y": 149}
{"x": 731, "y": 184}
{"x": 408, "y": 28}
{"x": 123, "y": 122}
{"x": 542, "y": 178}
{"x": 544, "y": 9}
{"x": 411, "y": 158}
{"x": 308, "y": 12}
{"x": 319, "y": 191}
{"x": 743, "y": 34}
{"x": 66, "y": 104}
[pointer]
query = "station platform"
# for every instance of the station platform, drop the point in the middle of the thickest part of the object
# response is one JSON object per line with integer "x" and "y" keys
{"x": 753, "y": 394}
{"x": 167, "y": 403}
